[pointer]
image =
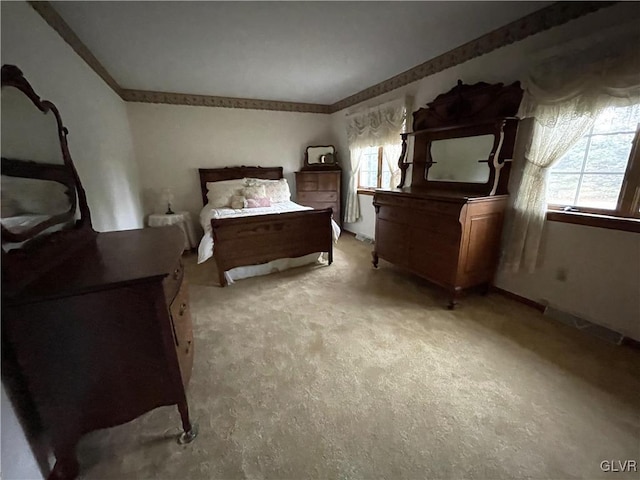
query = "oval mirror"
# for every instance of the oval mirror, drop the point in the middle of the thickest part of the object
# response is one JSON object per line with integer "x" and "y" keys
{"x": 37, "y": 184}
{"x": 45, "y": 216}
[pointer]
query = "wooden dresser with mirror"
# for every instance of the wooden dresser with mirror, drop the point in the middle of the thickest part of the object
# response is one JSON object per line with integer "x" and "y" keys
{"x": 96, "y": 328}
{"x": 446, "y": 226}
{"x": 318, "y": 184}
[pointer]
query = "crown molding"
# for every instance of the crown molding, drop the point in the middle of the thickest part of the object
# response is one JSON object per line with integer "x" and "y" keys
{"x": 48, "y": 13}
{"x": 147, "y": 96}
{"x": 539, "y": 21}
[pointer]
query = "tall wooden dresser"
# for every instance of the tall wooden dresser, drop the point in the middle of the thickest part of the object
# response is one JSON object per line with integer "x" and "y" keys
{"x": 320, "y": 189}
{"x": 447, "y": 226}
{"x": 96, "y": 328}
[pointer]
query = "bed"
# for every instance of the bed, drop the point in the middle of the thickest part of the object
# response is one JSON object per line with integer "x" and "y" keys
{"x": 266, "y": 238}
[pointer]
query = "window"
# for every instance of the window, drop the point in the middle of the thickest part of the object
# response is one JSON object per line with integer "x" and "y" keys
{"x": 601, "y": 173}
{"x": 374, "y": 172}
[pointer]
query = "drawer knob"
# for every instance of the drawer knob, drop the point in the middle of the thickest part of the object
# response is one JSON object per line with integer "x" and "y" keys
{"x": 176, "y": 274}
{"x": 183, "y": 308}
{"x": 188, "y": 347}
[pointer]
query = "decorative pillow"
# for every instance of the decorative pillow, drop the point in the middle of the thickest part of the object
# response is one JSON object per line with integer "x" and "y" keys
{"x": 219, "y": 193}
{"x": 238, "y": 201}
{"x": 277, "y": 190}
{"x": 258, "y": 202}
{"x": 254, "y": 191}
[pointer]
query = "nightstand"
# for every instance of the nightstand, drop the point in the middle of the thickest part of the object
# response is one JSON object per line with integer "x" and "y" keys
{"x": 183, "y": 220}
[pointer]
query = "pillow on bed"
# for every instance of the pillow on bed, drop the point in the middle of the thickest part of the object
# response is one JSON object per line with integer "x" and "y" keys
{"x": 258, "y": 202}
{"x": 238, "y": 201}
{"x": 277, "y": 190}
{"x": 254, "y": 191}
{"x": 219, "y": 193}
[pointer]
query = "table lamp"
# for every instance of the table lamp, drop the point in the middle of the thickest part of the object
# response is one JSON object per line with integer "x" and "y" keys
{"x": 167, "y": 197}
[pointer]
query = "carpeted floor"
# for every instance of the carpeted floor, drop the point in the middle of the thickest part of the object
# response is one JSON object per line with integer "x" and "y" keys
{"x": 345, "y": 372}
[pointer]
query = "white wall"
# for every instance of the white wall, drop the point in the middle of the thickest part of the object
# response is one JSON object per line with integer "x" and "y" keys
{"x": 173, "y": 141}
{"x": 99, "y": 135}
{"x": 603, "y": 279}
{"x": 100, "y": 144}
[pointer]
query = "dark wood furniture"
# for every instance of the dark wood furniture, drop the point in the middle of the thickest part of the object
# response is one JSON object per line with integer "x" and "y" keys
{"x": 449, "y": 231}
{"x": 100, "y": 334}
{"x": 260, "y": 239}
{"x": 320, "y": 189}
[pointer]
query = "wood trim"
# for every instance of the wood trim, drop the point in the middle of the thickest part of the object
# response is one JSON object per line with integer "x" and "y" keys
{"x": 631, "y": 343}
{"x": 556, "y": 14}
{"x": 172, "y": 98}
{"x": 595, "y": 220}
{"x": 362, "y": 191}
{"x": 518, "y": 298}
{"x": 536, "y": 22}
{"x": 55, "y": 21}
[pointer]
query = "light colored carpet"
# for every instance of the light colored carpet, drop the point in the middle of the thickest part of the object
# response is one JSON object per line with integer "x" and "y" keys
{"x": 346, "y": 372}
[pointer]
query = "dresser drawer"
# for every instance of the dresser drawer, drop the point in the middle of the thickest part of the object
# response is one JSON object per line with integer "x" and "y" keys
{"x": 317, "y": 197}
{"x": 172, "y": 282}
{"x": 307, "y": 186}
{"x": 183, "y": 331}
{"x": 411, "y": 203}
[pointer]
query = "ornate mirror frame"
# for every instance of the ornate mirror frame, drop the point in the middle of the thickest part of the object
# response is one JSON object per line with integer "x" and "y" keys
{"x": 465, "y": 111}
{"x": 326, "y": 158}
{"x": 41, "y": 250}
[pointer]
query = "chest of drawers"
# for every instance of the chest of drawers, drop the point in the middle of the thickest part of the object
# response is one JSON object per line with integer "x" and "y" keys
{"x": 320, "y": 189}
{"x": 453, "y": 241}
{"x": 104, "y": 337}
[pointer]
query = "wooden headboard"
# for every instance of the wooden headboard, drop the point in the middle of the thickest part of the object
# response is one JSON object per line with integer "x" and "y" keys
{"x": 231, "y": 173}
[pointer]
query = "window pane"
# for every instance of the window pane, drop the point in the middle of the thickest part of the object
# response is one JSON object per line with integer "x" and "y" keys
{"x": 609, "y": 153}
{"x": 572, "y": 160}
{"x": 600, "y": 191}
{"x": 562, "y": 188}
{"x": 369, "y": 168}
{"x": 365, "y": 179}
{"x": 621, "y": 119}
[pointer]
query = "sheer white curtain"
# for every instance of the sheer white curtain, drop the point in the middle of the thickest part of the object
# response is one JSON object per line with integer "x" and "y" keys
{"x": 378, "y": 126}
{"x": 564, "y": 96}
{"x": 390, "y": 155}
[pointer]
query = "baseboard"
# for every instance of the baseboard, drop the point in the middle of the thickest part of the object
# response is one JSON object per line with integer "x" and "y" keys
{"x": 571, "y": 320}
{"x": 514, "y": 296}
{"x": 364, "y": 238}
{"x": 583, "y": 325}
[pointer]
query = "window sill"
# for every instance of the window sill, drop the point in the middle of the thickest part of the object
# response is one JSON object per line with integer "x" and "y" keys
{"x": 362, "y": 191}
{"x": 595, "y": 220}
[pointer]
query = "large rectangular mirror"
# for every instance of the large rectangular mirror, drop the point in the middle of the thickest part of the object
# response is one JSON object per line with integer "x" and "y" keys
{"x": 462, "y": 159}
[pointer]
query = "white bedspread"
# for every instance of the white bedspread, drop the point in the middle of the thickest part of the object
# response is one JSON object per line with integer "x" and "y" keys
{"x": 205, "y": 249}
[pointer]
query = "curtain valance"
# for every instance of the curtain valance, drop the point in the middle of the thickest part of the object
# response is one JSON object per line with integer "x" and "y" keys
{"x": 378, "y": 125}
{"x": 583, "y": 80}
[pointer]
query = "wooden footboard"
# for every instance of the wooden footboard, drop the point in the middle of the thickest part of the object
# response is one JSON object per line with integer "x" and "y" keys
{"x": 255, "y": 240}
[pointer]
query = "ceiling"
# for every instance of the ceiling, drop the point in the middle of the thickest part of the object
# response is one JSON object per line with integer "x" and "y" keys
{"x": 311, "y": 52}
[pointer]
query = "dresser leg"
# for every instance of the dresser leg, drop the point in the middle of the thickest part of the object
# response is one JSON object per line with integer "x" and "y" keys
{"x": 190, "y": 428}
{"x": 454, "y": 297}
{"x": 375, "y": 259}
{"x": 66, "y": 467}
